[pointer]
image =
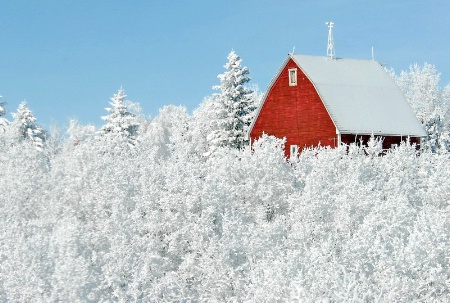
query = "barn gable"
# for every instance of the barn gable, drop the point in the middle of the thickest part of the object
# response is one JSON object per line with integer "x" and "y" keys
{"x": 330, "y": 99}
{"x": 294, "y": 111}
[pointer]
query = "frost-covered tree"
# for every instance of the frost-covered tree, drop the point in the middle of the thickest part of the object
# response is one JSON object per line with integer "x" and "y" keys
{"x": 431, "y": 104}
{"x": 244, "y": 225}
{"x": 78, "y": 133}
{"x": 165, "y": 224}
{"x": 420, "y": 85}
{"x": 120, "y": 122}
{"x": 445, "y": 116}
{"x": 374, "y": 146}
{"x": 234, "y": 105}
{"x": 168, "y": 130}
{"x": 3, "y": 122}
{"x": 205, "y": 125}
{"x": 24, "y": 127}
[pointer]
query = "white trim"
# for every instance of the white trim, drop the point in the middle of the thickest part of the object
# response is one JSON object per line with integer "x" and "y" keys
{"x": 293, "y": 150}
{"x": 338, "y": 133}
{"x": 292, "y": 75}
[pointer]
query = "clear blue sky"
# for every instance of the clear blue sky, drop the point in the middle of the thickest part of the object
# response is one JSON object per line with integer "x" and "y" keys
{"x": 66, "y": 58}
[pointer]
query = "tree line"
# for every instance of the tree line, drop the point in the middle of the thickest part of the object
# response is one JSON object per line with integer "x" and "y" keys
{"x": 178, "y": 209}
{"x": 224, "y": 117}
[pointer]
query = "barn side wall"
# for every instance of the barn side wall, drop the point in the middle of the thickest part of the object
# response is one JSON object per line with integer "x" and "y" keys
{"x": 295, "y": 112}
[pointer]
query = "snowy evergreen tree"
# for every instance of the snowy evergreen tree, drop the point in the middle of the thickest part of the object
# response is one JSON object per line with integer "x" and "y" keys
{"x": 120, "y": 121}
{"x": 234, "y": 106}
{"x": 431, "y": 104}
{"x": 24, "y": 127}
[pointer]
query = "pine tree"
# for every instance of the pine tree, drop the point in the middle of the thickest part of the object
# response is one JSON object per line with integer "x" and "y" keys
{"x": 25, "y": 127}
{"x": 234, "y": 106}
{"x": 120, "y": 121}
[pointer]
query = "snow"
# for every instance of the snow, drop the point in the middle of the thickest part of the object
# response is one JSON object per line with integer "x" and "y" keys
{"x": 233, "y": 107}
{"x": 430, "y": 103}
{"x": 3, "y": 122}
{"x": 360, "y": 96}
{"x": 100, "y": 221}
{"x": 84, "y": 219}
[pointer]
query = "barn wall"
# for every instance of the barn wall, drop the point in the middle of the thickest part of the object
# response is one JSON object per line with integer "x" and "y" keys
{"x": 295, "y": 112}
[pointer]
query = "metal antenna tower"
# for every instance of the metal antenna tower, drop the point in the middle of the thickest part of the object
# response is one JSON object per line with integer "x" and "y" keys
{"x": 330, "y": 48}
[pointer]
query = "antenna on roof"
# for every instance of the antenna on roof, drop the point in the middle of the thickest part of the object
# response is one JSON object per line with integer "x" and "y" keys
{"x": 373, "y": 58}
{"x": 330, "y": 48}
{"x": 293, "y": 50}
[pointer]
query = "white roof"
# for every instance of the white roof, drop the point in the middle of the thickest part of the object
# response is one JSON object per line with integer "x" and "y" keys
{"x": 360, "y": 96}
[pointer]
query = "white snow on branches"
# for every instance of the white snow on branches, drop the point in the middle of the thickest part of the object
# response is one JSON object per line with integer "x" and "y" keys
{"x": 153, "y": 215}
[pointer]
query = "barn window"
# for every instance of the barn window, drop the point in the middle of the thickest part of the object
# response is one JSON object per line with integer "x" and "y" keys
{"x": 292, "y": 77}
{"x": 294, "y": 150}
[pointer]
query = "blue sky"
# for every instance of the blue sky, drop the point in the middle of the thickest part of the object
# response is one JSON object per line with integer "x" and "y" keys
{"x": 67, "y": 58}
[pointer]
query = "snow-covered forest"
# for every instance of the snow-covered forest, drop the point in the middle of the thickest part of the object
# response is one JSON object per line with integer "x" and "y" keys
{"x": 178, "y": 208}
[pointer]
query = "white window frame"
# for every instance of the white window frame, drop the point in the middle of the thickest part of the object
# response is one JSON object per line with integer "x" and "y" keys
{"x": 292, "y": 73}
{"x": 293, "y": 150}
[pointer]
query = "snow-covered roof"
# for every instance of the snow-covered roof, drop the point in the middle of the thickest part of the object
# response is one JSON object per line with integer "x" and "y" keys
{"x": 360, "y": 96}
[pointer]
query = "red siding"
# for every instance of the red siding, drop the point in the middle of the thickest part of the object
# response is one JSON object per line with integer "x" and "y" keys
{"x": 295, "y": 112}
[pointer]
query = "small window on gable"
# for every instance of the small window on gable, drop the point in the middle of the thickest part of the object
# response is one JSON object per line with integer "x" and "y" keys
{"x": 292, "y": 77}
{"x": 294, "y": 150}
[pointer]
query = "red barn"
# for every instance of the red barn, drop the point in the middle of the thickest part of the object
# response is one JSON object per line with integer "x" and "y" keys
{"x": 317, "y": 100}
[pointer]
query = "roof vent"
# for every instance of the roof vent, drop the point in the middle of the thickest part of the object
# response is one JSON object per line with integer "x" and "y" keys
{"x": 330, "y": 48}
